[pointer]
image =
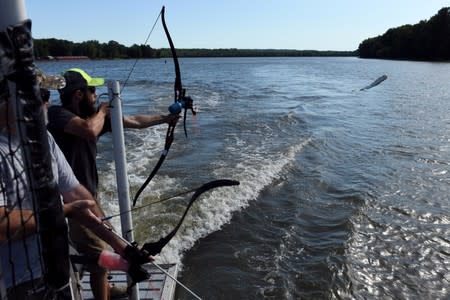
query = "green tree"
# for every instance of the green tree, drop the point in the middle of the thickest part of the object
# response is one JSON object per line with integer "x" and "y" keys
{"x": 426, "y": 40}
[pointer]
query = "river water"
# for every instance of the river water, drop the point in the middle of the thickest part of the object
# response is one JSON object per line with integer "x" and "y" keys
{"x": 344, "y": 193}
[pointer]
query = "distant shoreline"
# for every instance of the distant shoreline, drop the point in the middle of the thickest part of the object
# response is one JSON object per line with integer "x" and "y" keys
{"x": 65, "y": 57}
{"x": 233, "y": 52}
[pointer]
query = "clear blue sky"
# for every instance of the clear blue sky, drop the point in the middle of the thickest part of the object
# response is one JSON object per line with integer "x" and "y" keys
{"x": 245, "y": 24}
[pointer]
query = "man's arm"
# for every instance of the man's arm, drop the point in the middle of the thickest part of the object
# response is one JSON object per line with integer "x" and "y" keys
{"x": 80, "y": 192}
{"x": 19, "y": 223}
{"x": 79, "y": 205}
{"x": 90, "y": 218}
{"x": 144, "y": 121}
{"x": 90, "y": 128}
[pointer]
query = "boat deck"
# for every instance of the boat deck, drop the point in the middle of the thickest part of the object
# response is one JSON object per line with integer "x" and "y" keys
{"x": 158, "y": 287}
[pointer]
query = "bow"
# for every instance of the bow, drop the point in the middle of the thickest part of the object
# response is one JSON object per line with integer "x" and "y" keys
{"x": 156, "y": 247}
{"x": 140, "y": 256}
{"x": 137, "y": 257}
{"x": 181, "y": 101}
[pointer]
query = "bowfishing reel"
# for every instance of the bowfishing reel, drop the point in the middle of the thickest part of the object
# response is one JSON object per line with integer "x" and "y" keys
{"x": 183, "y": 102}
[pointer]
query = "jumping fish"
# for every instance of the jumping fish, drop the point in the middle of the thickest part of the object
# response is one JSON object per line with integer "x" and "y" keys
{"x": 375, "y": 83}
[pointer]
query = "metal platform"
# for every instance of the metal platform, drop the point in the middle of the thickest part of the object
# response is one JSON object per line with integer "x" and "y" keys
{"x": 158, "y": 287}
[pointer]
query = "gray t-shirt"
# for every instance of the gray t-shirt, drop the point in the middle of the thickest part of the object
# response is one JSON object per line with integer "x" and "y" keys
{"x": 13, "y": 185}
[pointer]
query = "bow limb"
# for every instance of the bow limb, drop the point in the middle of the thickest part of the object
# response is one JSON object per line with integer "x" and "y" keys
{"x": 156, "y": 247}
{"x": 179, "y": 92}
{"x": 178, "y": 87}
{"x": 168, "y": 143}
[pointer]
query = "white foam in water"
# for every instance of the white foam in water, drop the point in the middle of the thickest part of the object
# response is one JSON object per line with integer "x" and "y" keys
{"x": 208, "y": 98}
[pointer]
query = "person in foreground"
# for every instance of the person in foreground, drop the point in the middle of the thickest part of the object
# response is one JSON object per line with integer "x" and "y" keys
{"x": 76, "y": 125}
{"x": 20, "y": 257}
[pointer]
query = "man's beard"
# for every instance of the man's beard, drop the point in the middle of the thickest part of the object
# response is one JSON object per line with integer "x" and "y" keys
{"x": 87, "y": 108}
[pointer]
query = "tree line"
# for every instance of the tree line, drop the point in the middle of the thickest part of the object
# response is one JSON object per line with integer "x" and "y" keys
{"x": 426, "y": 40}
{"x": 45, "y": 48}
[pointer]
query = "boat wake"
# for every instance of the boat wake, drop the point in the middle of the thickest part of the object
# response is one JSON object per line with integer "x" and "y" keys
{"x": 255, "y": 172}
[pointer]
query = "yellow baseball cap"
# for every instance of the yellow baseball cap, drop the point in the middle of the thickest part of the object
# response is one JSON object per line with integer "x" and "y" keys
{"x": 91, "y": 81}
{"x": 77, "y": 79}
